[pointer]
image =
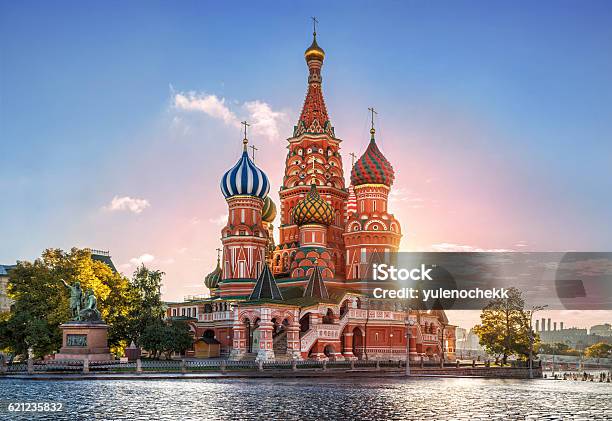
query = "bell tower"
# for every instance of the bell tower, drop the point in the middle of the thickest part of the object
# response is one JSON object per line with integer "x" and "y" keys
{"x": 313, "y": 158}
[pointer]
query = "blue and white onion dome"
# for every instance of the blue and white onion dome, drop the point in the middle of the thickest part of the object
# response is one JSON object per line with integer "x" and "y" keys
{"x": 245, "y": 178}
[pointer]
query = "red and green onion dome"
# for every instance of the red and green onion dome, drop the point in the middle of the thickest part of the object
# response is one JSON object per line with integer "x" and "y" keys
{"x": 313, "y": 209}
{"x": 268, "y": 213}
{"x": 372, "y": 167}
{"x": 212, "y": 279}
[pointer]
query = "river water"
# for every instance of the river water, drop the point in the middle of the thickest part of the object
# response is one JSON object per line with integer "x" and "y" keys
{"x": 301, "y": 399}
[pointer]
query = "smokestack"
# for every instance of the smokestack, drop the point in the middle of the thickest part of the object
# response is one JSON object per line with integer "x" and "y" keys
{"x": 555, "y": 326}
{"x": 543, "y": 324}
{"x": 549, "y": 324}
{"x": 561, "y": 325}
{"x": 537, "y": 325}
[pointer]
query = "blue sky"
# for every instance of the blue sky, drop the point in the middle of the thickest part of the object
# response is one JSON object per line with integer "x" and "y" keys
{"x": 497, "y": 117}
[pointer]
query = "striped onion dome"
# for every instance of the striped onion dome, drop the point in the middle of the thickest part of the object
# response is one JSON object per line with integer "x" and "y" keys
{"x": 212, "y": 279}
{"x": 268, "y": 213}
{"x": 372, "y": 167}
{"x": 313, "y": 209}
{"x": 245, "y": 178}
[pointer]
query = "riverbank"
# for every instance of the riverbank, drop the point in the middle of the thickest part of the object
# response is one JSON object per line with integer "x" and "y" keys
{"x": 467, "y": 372}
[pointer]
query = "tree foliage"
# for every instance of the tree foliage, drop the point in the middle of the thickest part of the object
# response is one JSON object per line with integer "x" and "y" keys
{"x": 149, "y": 308}
{"x": 504, "y": 329}
{"x": 558, "y": 348}
{"x": 599, "y": 350}
{"x": 166, "y": 338}
{"x": 41, "y": 301}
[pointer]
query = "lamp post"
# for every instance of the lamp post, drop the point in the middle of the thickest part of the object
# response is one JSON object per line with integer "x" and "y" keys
{"x": 409, "y": 324}
{"x": 443, "y": 347}
{"x": 531, "y": 339}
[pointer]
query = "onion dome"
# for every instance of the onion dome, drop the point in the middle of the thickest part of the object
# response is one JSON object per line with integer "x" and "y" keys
{"x": 372, "y": 167}
{"x": 212, "y": 279}
{"x": 245, "y": 178}
{"x": 314, "y": 52}
{"x": 313, "y": 209}
{"x": 268, "y": 213}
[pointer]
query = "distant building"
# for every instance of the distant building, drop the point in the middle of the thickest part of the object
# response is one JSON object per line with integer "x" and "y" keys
{"x": 467, "y": 342}
{"x": 5, "y": 302}
{"x": 575, "y": 337}
{"x": 602, "y": 330}
{"x": 104, "y": 257}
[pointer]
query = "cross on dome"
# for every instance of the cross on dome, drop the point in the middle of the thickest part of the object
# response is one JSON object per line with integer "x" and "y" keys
{"x": 245, "y": 140}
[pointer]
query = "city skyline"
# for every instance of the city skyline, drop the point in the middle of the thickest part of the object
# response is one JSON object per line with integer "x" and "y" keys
{"x": 111, "y": 130}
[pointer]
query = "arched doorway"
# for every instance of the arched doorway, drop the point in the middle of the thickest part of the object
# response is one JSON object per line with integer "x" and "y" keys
{"x": 248, "y": 334}
{"x": 305, "y": 322}
{"x": 429, "y": 352}
{"x": 344, "y": 308}
{"x": 254, "y": 342}
{"x": 329, "y": 317}
{"x": 329, "y": 351}
{"x": 279, "y": 337}
{"x": 358, "y": 343}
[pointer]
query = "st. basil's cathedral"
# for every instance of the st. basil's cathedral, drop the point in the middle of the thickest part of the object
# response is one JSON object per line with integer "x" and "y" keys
{"x": 305, "y": 298}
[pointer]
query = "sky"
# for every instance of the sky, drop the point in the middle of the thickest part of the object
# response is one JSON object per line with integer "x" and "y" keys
{"x": 117, "y": 120}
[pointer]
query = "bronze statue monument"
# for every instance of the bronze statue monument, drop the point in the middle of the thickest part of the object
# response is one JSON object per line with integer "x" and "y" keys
{"x": 85, "y": 336}
{"x": 83, "y": 304}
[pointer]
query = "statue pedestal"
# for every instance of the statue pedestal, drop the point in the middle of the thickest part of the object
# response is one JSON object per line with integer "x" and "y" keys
{"x": 83, "y": 340}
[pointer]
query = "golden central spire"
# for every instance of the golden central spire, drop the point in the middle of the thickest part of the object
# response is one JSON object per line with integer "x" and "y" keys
{"x": 314, "y": 52}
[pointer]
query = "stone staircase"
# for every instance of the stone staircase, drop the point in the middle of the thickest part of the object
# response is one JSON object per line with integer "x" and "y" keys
{"x": 280, "y": 345}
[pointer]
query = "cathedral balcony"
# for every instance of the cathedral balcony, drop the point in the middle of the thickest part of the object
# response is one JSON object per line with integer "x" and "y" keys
{"x": 428, "y": 337}
{"x": 357, "y": 314}
{"x": 216, "y": 316}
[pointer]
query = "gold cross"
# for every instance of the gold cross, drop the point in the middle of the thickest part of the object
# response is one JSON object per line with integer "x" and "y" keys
{"x": 254, "y": 149}
{"x": 314, "y": 25}
{"x": 245, "y": 124}
{"x": 218, "y": 254}
{"x": 245, "y": 141}
{"x": 353, "y": 156}
{"x": 373, "y": 112}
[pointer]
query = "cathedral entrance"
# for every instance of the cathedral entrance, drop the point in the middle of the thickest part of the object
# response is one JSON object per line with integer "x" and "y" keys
{"x": 329, "y": 317}
{"x": 279, "y": 337}
{"x": 254, "y": 337}
{"x": 329, "y": 352}
{"x": 305, "y": 323}
{"x": 358, "y": 343}
{"x": 248, "y": 335}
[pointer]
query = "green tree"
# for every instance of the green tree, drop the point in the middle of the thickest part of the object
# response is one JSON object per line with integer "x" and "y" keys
{"x": 149, "y": 310}
{"x": 39, "y": 309}
{"x": 504, "y": 329}
{"x": 558, "y": 348}
{"x": 41, "y": 301}
{"x": 180, "y": 337}
{"x": 153, "y": 338}
{"x": 165, "y": 338}
{"x": 599, "y": 350}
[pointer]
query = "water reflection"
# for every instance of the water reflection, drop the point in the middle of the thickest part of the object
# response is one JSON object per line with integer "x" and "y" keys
{"x": 418, "y": 398}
